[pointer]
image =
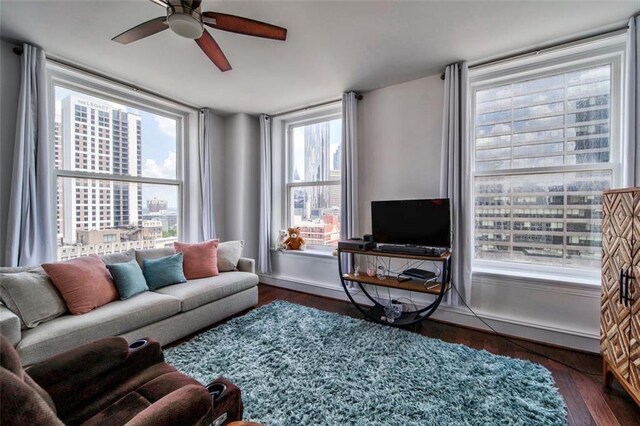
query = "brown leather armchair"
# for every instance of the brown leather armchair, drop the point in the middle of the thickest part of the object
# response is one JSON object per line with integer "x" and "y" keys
{"x": 104, "y": 382}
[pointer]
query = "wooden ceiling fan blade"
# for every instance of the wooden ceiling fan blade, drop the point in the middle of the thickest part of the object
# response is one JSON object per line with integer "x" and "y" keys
{"x": 210, "y": 47}
{"x": 240, "y": 25}
{"x": 143, "y": 30}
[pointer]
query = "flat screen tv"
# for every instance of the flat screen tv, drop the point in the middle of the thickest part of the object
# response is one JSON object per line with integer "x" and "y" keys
{"x": 413, "y": 222}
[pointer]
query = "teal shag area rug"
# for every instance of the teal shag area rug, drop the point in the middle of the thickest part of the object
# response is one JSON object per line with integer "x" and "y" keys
{"x": 302, "y": 366}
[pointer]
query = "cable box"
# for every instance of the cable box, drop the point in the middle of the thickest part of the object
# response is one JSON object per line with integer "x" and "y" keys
{"x": 421, "y": 274}
{"x": 356, "y": 245}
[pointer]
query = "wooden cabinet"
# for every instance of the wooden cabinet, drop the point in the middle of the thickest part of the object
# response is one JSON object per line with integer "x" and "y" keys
{"x": 620, "y": 303}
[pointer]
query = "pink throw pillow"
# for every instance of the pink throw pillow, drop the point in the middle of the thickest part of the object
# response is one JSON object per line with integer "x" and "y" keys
{"x": 84, "y": 283}
{"x": 200, "y": 259}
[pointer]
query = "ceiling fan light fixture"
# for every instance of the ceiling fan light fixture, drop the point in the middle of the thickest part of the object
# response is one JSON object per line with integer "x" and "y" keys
{"x": 184, "y": 22}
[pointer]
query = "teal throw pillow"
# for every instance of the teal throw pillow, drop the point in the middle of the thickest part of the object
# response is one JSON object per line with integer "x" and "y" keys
{"x": 164, "y": 271}
{"x": 128, "y": 278}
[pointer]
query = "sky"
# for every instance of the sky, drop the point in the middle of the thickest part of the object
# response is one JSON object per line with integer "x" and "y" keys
{"x": 158, "y": 146}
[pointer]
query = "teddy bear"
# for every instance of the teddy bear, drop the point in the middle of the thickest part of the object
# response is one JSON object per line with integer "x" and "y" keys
{"x": 294, "y": 241}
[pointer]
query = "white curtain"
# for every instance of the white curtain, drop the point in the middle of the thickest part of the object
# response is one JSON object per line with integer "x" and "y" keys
{"x": 31, "y": 234}
{"x": 349, "y": 226}
{"x": 264, "y": 239}
{"x": 631, "y": 116}
{"x": 205, "y": 148}
{"x": 455, "y": 179}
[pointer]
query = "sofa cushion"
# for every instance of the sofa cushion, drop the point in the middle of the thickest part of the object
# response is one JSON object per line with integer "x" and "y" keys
{"x": 128, "y": 278}
{"x": 229, "y": 254}
{"x": 195, "y": 293}
{"x": 155, "y": 253}
{"x": 122, "y": 257}
{"x": 69, "y": 331}
{"x": 163, "y": 271}
{"x": 31, "y": 295}
{"x": 84, "y": 283}
{"x": 200, "y": 259}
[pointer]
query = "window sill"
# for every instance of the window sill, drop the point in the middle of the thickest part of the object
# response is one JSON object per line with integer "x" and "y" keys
{"x": 539, "y": 277}
{"x": 324, "y": 254}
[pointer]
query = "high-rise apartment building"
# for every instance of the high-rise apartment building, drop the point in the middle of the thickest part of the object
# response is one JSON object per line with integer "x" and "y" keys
{"x": 98, "y": 138}
{"x": 559, "y": 122}
{"x": 127, "y": 197}
{"x": 316, "y": 162}
{"x": 57, "y": 136}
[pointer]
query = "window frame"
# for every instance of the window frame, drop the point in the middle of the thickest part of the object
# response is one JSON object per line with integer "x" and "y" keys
{"x": 328, "y": 112}
{"x": 601, "y": 51}
{"x": 59, "y": 75}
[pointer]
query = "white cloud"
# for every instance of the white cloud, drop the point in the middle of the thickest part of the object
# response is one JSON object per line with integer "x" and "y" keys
{"x": 166, "y": 170}
{"x": 166, "y": 125}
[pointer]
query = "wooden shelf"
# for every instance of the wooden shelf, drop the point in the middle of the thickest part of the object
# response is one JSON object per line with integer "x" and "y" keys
{"x": 375, "y": 252}
{"x": 392, "y": 282}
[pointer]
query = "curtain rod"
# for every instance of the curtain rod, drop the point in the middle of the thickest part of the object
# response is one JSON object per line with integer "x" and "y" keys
{"x": 538, "y": 50}
{"x": 19, "y": 51}
{"x": 358, "y": 97}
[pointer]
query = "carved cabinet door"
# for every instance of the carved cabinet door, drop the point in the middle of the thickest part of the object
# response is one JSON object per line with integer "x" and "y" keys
{"x": 634, "y": 340}
{"x": 617, "y": 261}
{"x": 634, "y": 303}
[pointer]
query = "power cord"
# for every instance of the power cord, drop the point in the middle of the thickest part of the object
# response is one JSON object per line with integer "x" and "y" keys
{"x": 586, "y": 373}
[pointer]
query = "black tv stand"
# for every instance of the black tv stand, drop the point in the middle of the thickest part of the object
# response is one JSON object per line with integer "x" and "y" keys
{"x": 411, "y": 284}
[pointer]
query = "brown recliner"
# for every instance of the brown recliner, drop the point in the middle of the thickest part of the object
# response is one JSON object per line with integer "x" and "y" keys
{"x": 103, "y": 382}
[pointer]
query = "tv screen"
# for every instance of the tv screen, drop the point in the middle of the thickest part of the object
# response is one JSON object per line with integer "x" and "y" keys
{"x": 415, "y": 222}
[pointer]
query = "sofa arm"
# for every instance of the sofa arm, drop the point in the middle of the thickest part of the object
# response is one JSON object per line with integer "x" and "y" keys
{"x": 10, "y": 325}
{"x": 189, "y": 405}
{"x": 93, "y": 367}
{"x": 247, "y": 265}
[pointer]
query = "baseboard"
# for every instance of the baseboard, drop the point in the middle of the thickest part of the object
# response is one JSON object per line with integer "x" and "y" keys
{"x": 543, "y": 333}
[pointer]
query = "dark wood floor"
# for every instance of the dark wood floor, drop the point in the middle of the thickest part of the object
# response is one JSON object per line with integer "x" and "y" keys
{"x": 587, "y": 401}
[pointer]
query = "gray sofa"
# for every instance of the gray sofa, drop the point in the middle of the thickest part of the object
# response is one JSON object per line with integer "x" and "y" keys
{"x": 166, "y": 315}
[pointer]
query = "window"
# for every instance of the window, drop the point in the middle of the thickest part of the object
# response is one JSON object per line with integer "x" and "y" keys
{"x": 118, "y": 171}
{"x": 546, "y": 143}
{"x": 313, "y": 189}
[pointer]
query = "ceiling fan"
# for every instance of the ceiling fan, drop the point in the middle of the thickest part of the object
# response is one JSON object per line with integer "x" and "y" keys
{"x": 186, "y": 19}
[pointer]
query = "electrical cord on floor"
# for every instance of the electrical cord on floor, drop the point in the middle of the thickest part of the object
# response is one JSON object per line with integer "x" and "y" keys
{"x": 519, "y": 345}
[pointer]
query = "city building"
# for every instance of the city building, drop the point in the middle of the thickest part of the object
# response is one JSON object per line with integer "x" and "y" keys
{"x": 321, "y": 232}
{"x": 155, "y": 205}
{"x": 57, "y": 136}
{"x": 97, "y": 137}
{"x": 554, "y": 218}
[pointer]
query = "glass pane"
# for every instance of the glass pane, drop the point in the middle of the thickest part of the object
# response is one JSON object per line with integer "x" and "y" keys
{"x": 547, "y": 219}
{"x": 544, "y": 121}
{"x": 315, "y": 151}
{"x": 316, "y": 210}
{"x": 543, "y": 97}
{"x": 97, "y": 135}
{"x": 102, "y": 216}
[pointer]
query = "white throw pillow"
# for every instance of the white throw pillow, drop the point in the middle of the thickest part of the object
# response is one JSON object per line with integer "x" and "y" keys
{"x": 229, "y": 254}
{"x": 30, "y": 294}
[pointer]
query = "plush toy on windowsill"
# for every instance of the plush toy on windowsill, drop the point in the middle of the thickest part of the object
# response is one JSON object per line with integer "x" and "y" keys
{"x": 294, "y": 241}
{"x": 282, "y": 236}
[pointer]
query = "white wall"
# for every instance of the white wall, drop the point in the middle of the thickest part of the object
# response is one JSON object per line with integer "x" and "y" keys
{"x": 399, "y": 130}
{"x": 9, "y": 88}
{"x": 399, "y": 157}
{"x": 241, "y": 181}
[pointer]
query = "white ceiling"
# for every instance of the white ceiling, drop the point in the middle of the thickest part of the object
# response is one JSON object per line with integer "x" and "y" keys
{"x": 332, "y": 46}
